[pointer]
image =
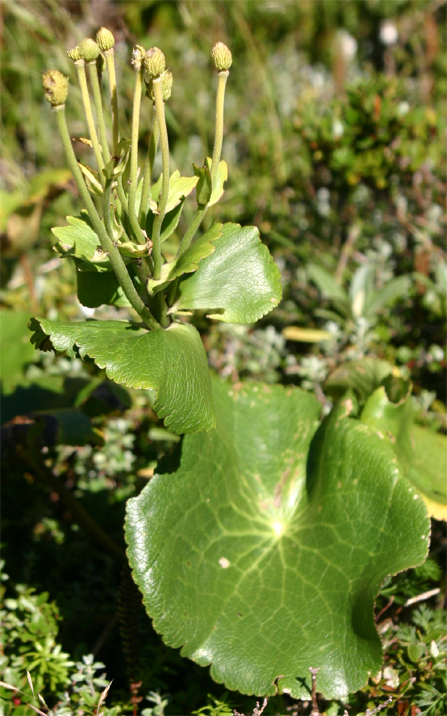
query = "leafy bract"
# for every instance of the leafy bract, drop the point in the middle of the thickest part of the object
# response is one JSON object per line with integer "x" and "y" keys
{"x": 172, "y": 362}
{"x": 169, "y": 224}
{"x": 238, "y": 283}
{"x": 221, "y": 178}
{"x": 261, "y": 550}
{"x": 188, "y": 262}
{"x": 179, "y": 188}
{"x": 422, "y": 453}
{"x": 79, "y": 241}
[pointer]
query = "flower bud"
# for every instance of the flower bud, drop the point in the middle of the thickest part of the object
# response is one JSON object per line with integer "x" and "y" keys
{"x": 221, "y": 56}
{"x": 105, "y": 39}
{"x": 138, "y": 54}
{"x": 74, "y": 54}
{"x": 88, "y": 50}
{"x": 154, "y": 62}
{"x": 55, "y": 87}
{"x": 166, "y": 86}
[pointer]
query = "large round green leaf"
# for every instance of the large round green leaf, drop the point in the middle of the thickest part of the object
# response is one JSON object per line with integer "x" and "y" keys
{"x": 262, "y": 556}
{"x": 238, "y": 283}
{"x": 172, "y": 362}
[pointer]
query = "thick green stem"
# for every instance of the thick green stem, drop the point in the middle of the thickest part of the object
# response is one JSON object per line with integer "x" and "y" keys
{"x": 149, "y": 164}
{"x": 106, "y": 242}
{"x": 80, "y": 68}
{"x": 97, "y": 98}
{"x": 110, "y": 62}
{"x": 164, "y": 144}
{"x": 133, "y": 179}
{"x": 217, "y": 151}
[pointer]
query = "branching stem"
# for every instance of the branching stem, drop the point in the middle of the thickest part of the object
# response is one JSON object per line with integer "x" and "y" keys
{"x": 106, "y": 242}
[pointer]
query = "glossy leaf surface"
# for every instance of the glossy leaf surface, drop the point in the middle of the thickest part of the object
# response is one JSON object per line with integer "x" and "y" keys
{"x": 260, "y": 549}
{"x": 238, "y": 283}
{"x": 172, "y": 362}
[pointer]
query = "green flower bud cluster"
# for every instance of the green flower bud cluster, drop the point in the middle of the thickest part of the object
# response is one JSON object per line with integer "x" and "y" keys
{"x": 105, "y": 39}
{"x": 222, "y": 57}
{"x": 55, "y": 87}
{"x": 74, "y": 54}
{"x": 88, "y": 50}
{"x": 154, "y": 62}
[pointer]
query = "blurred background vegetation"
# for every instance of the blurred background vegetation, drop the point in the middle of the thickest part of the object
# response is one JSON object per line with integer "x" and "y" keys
{"x": 336, "y": 147}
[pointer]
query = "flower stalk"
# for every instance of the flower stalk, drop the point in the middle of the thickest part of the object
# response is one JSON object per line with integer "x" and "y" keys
{"x": 137, "y": 61}
{"x": 222, "y": 59}
{"x": 164, "y": 145}
{"x": 106, "y": 242}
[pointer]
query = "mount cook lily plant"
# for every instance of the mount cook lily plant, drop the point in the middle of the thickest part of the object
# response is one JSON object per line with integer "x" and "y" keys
{"x": 261, "y": 544}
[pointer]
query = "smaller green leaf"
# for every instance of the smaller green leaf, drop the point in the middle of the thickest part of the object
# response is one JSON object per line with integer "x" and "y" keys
{"x": 330, "y": 289}
{"x": 172, "y": 362}
{"x": 360, "y": 289}
{"x": 203, "y": 189}
{"x": 169, "y": 224}
{"x": 189, "y": 261}
{"x": 134, "y": 250}
{"x": 179, "y": 188}
{"x": 79, "y": 240}
{"x": 221, "y": 178}
{"x": 238, "y": 283}
{"x": 392, "y": 291}
{"x": 91, "y": 179}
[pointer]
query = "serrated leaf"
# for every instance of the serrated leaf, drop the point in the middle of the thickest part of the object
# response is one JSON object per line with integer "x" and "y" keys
{"x": 172, "y": 362}
{"x": 421, "y": 452}
{"x": 238, "y": 283}
{"x": 189, "y": 261}
{"x": 261, "y": 556}
{"x": 78, "y": 240}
